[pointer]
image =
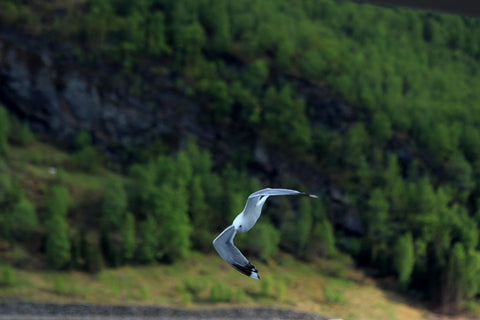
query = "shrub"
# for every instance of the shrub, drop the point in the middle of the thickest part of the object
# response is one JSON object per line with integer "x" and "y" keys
{"x": 8, "y": 276}
{"x": 221, "y": 293}
{"x": 266, "y": 288}
{"x": 20, "y": 133}
{"x": 332, "y": 295}
{"x": 322, "y": 242}
{"x": 114, "y": 205}
{"x": 59, "y": 285}
{"x": 264, "y": 240}
{"x": 404, "y": 259}
{"x": 22, "y": 221}
{"x": 57, "y": 247}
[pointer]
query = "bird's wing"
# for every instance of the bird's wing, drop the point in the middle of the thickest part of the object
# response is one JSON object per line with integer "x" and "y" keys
{"x": 279, "y": 192}
{"x": 227, "y": 250}
{"x": 257, "y": 199}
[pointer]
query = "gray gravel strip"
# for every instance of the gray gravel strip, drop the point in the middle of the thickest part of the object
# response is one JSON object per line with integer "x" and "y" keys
{"x": 49, "y": 311}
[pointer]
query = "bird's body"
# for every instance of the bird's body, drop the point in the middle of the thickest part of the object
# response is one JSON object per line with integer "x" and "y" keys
{"x": 243, "y": 222}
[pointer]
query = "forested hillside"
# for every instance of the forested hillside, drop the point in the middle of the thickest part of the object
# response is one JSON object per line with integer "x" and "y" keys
{"x": 404, "y": 154}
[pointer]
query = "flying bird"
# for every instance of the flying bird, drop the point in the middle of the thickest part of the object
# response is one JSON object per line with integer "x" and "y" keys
{"x": 244, "y": 221}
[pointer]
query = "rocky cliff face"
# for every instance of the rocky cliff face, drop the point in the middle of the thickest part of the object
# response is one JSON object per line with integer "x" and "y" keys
{"x": 59, "y": 99}
{"x": 58, "y": 96}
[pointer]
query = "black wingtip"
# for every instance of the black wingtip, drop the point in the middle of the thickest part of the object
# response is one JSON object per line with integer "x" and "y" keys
{"x": 248, "y": 270}
{"x": 309, "y": 195}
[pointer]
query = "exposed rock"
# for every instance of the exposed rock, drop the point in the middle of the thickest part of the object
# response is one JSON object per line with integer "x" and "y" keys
{"x": 60, "y": 99}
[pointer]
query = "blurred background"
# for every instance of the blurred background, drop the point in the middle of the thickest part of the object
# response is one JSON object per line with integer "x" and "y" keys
{"x": 132, "y": 132}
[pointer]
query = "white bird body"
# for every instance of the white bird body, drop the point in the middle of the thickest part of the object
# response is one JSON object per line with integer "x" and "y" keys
{"x": 243, "y": 222}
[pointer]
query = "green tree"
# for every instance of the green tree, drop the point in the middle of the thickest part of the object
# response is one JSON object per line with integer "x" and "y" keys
{"x": 285, "y": 119}
{"x": 57, "y": 246}
{"x": 200, "y": 218}
{"x": 114, "y": 205}
{"x": 22, "y": 220}
{"x": 189, "y": 40}
{"x": 174, "y": 227}
{"x": 215, "y": 19}
{"x": 322, "y": 241}
{"x": 86, "y": 157}
{"x": 263, "y": 241}
{"x": 296, "y": 232}
{"x": 404, "y": 259}
{"x": 147, "y": 249}
{"x": 128, "y": 237}
{"x": 381, "y": 128}
{"x": 355, "y": 144}
{"x": 255, "y": 76}
{"x": 377, "y": 229}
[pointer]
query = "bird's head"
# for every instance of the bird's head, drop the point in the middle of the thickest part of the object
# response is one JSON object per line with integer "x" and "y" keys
{"x": 237, "y": 223}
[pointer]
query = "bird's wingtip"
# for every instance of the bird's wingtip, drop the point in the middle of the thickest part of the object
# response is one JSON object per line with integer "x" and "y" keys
{"x": 254, "y": 275}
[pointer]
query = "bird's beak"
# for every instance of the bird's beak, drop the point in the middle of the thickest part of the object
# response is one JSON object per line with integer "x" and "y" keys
{"x": 236, "y": 230}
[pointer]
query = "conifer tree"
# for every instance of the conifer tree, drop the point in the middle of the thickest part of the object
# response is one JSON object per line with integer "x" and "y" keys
{"x": 147, "y": 250}
{"x": 22, "y": 220}
{"x": 404, "y": 259}
{"x": 57, "y": 246}
{"x": 322, "y": 241}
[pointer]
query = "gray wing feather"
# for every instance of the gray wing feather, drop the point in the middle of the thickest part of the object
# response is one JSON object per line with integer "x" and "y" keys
{"x": 226, "y": 249}
{"x": 279, "y": 192}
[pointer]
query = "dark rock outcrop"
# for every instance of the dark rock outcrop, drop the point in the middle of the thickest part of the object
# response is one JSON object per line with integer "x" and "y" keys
{"x": 59, "y": 98}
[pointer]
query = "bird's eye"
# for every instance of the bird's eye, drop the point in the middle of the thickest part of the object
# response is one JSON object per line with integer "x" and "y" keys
{"x": 240, "y": 226}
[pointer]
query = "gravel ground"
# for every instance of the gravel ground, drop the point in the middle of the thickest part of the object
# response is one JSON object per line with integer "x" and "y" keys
{"x": 47, "y": 311}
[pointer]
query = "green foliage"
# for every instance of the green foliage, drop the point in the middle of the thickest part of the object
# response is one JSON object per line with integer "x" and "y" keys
{"x": 266, "y": 287}
{"x": 356, "y": 144}
{"x": 114, "y": 205}
{"x": 285, "y": 119}
{"x": 332, "y": 295}
{"x": 296, "y": 232}
{"x": 408, "y": 81}
{"x": 322, "y": 242}
{"x": 381, "y": 128}
{"x": 86, "y": 157}
{"x": 22, "y": 221}
{"x": 404, "y": 259}
{"x": 19, "y": 132}
{"x": 4, "y": 125}
{"x": 93, "y": 255}
{"x": 128, "y": 235}
{"x": 59, "y": 285}
{"x": 147, "y": 249}
{"x": 263, "y": 240}
{"x": 221, "y": 293}
{"x": 57, "y": 245}
{"x": 8, "y": 276}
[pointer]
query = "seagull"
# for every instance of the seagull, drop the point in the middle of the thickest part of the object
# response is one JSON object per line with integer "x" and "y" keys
{"x": 244, "y": 221}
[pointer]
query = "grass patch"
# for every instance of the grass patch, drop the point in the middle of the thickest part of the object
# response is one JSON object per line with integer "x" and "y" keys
{"x": 205, "y": 280}
{"x": 333, "y": 295}
{"x": 221, "y": 293}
